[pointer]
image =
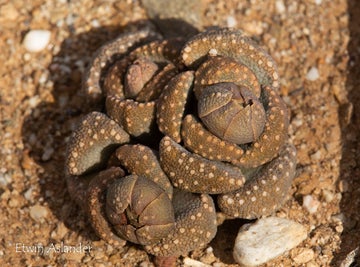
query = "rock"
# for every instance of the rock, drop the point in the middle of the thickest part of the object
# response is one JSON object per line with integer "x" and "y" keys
{"x": 209, "y": 250}
{"x": 36, "y": 40}
{"x": 14, "y": 201}
{"x": 280, "y": 6}
{"x": 266, "y": 239}
{"x": 254, "y": 27}
{"x": 29, "y": 196}
{"x": 194, "y": 263}
{"x": 313, "y": 74}
{"x": 231, "y": 21}
{"x": 304, "y": 255}
{"x": 310, "y": 204}
{"x": 144, "y": 264}
{"x": 60, "y": 231}
{"x": 328, "y": 195}
{"x": 5, "y": 179}
{"x": 38, "y": 212}
{"x": 316, "y": 156}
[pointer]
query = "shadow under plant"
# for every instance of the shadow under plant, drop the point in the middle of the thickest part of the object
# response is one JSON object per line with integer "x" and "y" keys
{"x": 349, "y": 182}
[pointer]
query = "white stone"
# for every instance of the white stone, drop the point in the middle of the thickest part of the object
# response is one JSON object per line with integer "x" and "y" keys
{"x": 316, "y": 156}
{"x": 38, "y": 212}
{"x": 36, "y": 40}
{"x": 328, "y": 195}
{"x": 313, "y": 74}
{"x": 95, "y": 23}
{"x": 209, "y": 250}
{"x": 34, "y": 101}
{"x": 266, "y": 239}
{"x": 213, "y": 52}
{"x": 231, "y": 21}
{"x": 280, "y": 7}
{"x": 194, "y": 263}
{"x": 5, "y": 179}
{"x": 310, "y": 204}
{"x": 29, "y": 194}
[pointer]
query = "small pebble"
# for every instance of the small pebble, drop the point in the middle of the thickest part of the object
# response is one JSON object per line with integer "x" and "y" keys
{"x": 36, "y": 40}
{"x": 266, "y": 239}
{"x": 34, "y": 101}
{"x": 43, "y": 78}
{"x": 29, "y": 194}
{"x": 310, "y": 204}
{"x": 253, "y": 27}
{"x": 70, "y": 19}
{"x": 27, "y": 57}
{"x": 231, "y": 21}
{"x": 95, "y": 23}
{"x": 280, "y": 6}
{"x": 209, "y": 250}
{"x": 328, "y": 195}
{"x": 313, "y": 74}
{"x": 14, "y": 202}
{"x": 316, "y": 156}
{"x": 339, "y": 228}
{"x": 38, "y": 212}
{"x": 297, "y": 122}
{"x": 194, "y": 263}
{"x": 60, "y": 231}
{"x": 48, "y": 152}
{"x": 5, "y": 179}
{"x": 305, "y": 255}
{"x": 144, "y": 264}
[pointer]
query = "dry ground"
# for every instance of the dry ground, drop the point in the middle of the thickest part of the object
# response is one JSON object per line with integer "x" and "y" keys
{"x": 40, "y": 105}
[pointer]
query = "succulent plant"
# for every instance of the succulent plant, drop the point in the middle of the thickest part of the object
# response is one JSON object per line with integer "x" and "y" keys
{"x": 231, "y": 113}
{"x": 143, "y": 213}
{"x": 186, "y": 121}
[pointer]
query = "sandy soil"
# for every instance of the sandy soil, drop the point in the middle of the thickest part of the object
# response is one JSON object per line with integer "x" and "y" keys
{"x": 40, "y": 105}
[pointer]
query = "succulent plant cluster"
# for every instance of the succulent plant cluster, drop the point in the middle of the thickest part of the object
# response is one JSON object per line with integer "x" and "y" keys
{"x": 185, "y": 122}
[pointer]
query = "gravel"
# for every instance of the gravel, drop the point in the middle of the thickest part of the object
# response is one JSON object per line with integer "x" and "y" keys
{"x": 315, "y": 45}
